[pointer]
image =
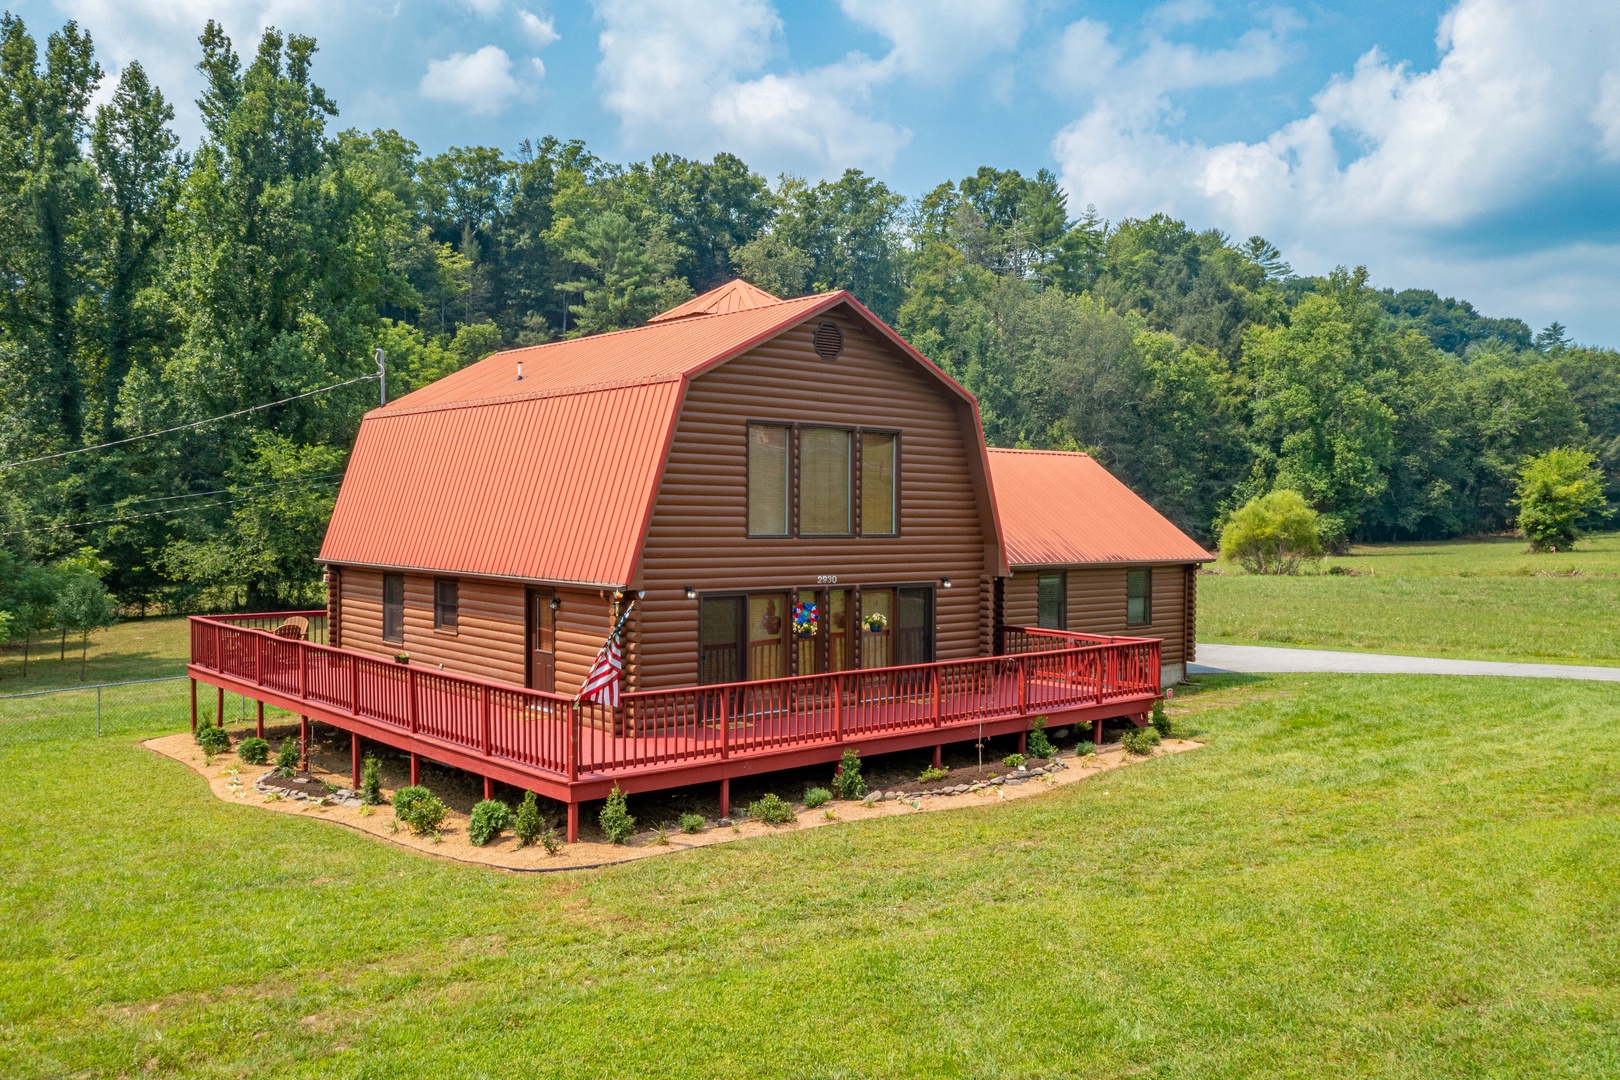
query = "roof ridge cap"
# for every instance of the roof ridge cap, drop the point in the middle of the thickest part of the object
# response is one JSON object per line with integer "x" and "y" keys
{"x": 537, "y": 395}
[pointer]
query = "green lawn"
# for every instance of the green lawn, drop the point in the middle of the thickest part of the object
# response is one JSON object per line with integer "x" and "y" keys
{"x": 137, "y": 649}
{"x": 1357, "y": 877}
{"x": 1476, "y": 599}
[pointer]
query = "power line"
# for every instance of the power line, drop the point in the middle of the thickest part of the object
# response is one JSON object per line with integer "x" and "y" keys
{"x": 184, "y": 427}
{"x": 138, "y": 517}
{"x": 124, "y": 504}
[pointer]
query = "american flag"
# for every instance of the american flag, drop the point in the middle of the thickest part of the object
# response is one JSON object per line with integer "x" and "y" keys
{"x": 602, "y": 682}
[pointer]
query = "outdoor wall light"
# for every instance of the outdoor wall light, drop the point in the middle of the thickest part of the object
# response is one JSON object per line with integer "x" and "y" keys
{"x": 944, "y": 582}
{"x": 691, "y": 593}
{"x": 556, "y": 602}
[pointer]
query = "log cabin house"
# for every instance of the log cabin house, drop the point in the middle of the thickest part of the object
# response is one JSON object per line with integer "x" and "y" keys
{"x": 798, "y": 507}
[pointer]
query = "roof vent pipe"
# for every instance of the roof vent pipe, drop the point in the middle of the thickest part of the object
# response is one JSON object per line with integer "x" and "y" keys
{"x": 520, "y": 371}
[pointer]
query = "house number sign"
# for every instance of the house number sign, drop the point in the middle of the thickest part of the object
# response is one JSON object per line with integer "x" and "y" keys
{"x": 826, "y": 579}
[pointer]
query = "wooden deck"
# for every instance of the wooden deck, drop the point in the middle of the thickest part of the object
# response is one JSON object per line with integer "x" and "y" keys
{"x": 671, "y": 738}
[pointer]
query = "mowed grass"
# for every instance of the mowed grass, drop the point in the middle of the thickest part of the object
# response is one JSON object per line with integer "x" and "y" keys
{"x": 138, "y": 649}
{"x": 1356, "y": 877}
{"x": 1475, "y": 599}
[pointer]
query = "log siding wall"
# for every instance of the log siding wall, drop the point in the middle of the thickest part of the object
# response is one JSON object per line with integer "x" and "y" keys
{"x": 698, "y": 532}
{"x": 1096, "y": 605}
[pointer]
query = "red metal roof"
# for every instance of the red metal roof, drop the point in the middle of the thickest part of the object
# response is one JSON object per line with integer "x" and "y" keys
{"x": 734, "y": 295}
{"x": 550, "y": 477}
{"x": 1063, "y": 509}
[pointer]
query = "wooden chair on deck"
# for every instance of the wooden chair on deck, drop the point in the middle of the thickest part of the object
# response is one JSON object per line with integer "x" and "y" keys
{"x": 296, "y": 628}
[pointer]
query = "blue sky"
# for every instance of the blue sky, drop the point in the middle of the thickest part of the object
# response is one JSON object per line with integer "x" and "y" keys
{"x": 1469, "y": 147}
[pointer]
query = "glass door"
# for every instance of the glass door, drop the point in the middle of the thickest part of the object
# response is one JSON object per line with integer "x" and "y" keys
{"x": 768, "y": 626}
{"x": 840, "y": 630}
{"x": 914, "y": 625}
{"x": 542, "y": 636}
{"x": 721, "y": 640}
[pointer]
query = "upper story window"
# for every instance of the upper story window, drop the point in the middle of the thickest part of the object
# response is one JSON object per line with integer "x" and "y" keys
{"x": 446, "y": 604}
{"x": 1138, "y": 597}
{"x": 1052, "y": 601}
{"x": 393, "y": 628}
{"x": 801, "y": 481}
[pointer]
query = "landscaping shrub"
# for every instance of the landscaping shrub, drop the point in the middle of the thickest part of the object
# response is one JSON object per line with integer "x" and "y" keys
{"x": 371, "y": 782}
{"x": 1084, "y": 749}
{"x": 772, "y": 809}
{"x": 253, "y": 750}
{"x": 1273, "y": 534}
{"x": 816, "y": 796}
{"x": 615, "y": 818}
{"x": 527, "y": 824}
{"x": 419, "y": 809}
{"x": 213, "y": 740}
{"x": 490, "y": 818}
{"x": 691, "y": 823}
{"x": 1141, "y": 740}
{"x": 287, "y": 757}
{"x": 1012, "y": 761}
{"x": 1559, "y": 492}
{"x": 847, "y": 781}
{"x": 1161, "y": 719}
{"x": 551, "y": 841}
{"x": 930, "y": 774}
{"x": 1039, "y": 745}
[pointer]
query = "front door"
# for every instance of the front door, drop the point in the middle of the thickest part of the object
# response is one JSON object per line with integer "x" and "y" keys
{"x": 542, "y": 639}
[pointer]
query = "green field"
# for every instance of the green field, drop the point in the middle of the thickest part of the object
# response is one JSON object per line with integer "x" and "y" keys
{"x": 1356, "y": 877}
{"x": 1475, "y": 599}
{"x": 137, "y": 649}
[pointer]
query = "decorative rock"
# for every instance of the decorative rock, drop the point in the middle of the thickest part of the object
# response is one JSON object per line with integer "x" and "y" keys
{"x": 723, "y": 823}
{"x": 997, "y": 781}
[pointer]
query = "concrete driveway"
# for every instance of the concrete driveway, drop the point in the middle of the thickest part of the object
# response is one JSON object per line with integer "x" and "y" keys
{"x": 1224, "y": 659}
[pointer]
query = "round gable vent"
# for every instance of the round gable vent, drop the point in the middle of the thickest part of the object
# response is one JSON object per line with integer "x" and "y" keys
{"x": 829, "y": 341}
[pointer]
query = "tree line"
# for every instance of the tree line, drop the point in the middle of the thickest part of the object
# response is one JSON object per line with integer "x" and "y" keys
{"x": 151, "y": 286}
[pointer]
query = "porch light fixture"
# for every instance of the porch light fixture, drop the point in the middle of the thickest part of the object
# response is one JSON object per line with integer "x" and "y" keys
{"x": 691, "y": 593}
{"x": 556, "y": 602}
{"x": 944, "y": 582}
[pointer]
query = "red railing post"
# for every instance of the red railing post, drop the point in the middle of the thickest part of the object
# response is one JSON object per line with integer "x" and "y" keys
{"x": 573, "y": 745}
{"x": 1023, "y": 684}
{"x": 303, "y": 671}
{"x": 838, "y": 708}
{"x": 410, "y": 699}
{"x": 937, "y": 709}
{"x": 725, "y": 724}
{"x": 219, "y": 651}
{"x": 258, "y": 660}
{"x": 354, "y": 685}
{"x": 483, "y": 716}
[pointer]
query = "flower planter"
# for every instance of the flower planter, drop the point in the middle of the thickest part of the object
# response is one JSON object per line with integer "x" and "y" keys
{"x": 402, "y": 658}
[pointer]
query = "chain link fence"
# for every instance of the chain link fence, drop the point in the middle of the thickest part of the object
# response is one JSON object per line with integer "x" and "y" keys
{"x": 143, "y": 707}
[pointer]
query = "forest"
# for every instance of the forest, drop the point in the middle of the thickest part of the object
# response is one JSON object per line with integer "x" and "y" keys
{"x": 152, "y": 287}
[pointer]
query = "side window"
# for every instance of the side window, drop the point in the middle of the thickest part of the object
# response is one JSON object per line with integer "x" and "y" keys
{"x": 824, "y": 468}
{"x": 446, "y": 604}
{"x": 1138, "y": 597}
{"x": 1053, "y": 601}
{"x": 767, "y": 480}
{"x": 393, "y": 607}
{"x": 879, "y": 461}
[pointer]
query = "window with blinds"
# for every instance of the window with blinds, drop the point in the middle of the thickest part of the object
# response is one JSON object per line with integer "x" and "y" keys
{"x": 824, "y": 481}
{"x": 1052, "y": 601}
{"x": 1138, "y": 597}
{"x": 393, "y": 628}
{"x": 446, "y": 604}
{"x": 878, "y": 468}
{"x": 767, "y": 479}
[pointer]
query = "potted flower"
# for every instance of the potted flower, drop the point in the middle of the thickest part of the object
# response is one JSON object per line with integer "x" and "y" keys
{"x": 402, "y": 658}
{"x": 875, "y": 623}
{"x": 804, "y": 620}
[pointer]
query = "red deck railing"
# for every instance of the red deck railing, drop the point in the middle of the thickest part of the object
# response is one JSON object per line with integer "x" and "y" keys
{"x": 1041, "y": 671}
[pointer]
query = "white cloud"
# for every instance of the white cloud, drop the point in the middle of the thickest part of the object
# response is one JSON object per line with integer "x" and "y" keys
{"x": 487, "y": 8}
{"x": 937, "y": 40}
{"x": 480, "y": 82}
{"x": 542, "y": 31}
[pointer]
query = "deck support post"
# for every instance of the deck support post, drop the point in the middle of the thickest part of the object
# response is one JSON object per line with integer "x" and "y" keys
{"x": 939, "y": 754}
{"x": 416, "y": 769}
{"x": 1096, "y": 731}
{"x": 219, "y": 706}
{"x": 725, "y": 797}
{"x": 258, "y": 728}
{"x": 303, "y": 743}
{"x": 573, "y": 823}
{"x": 354, "y": 760}
{"x": 194, "y": 706}
{"x": 489, "y": 788}
{"x": 1023, "y": 741}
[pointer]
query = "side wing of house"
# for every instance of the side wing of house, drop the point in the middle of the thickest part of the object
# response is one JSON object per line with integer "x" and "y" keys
{"x": 1097, "y": 600}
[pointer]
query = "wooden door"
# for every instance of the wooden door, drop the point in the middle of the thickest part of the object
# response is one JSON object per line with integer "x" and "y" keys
{"x": 542, "y": 639}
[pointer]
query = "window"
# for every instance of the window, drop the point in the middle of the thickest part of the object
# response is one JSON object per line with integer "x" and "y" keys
{"x": 1138, "y": 597}
{"x": 393, "y": 607}
{"x": 446, "y": 604}
{"x": 767, "y": 480}
{"x": 824, "y": 481}
{"x": 1052, "y": 601}
{"x": 878, "y": 454}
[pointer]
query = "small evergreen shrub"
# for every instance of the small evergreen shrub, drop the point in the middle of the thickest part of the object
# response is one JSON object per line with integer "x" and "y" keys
{"x": 1161, "y": 719}
{"x": 287, "y": 757}
{"x": 371, "y": 782}
{"x": 526, "y": 824}
{"x": 691, "y": 823}
{"x": 816, "y": 796}
{"x": 1141, "y": 740}
{"x": 1039, "y": 745}
{"x": 930, "y": 774}
{"x": 1084, "y": 749}
{"x": 551, "y": 841}
{"x": 772, "y": 809}
{"x": 615, "y": 818}
{"x": 419, "y": 809}
{"x": 490, "y": 818}
{"x": 847, "y": 781}
{"x": 1012, "y": 761}
{"x": 253, "y": 750}
{"x": 213, "y": 740}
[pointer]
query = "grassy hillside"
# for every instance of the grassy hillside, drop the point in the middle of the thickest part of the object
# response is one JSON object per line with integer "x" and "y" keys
{"x": 1477, "y": 599}
{"x": 1357, "y": 877}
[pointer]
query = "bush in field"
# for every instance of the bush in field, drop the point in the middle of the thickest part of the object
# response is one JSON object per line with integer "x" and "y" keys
{"x": 371, "y": 782}
{"x": 526, "y": 824}
{"x": 1161, "y": 719}
{"x": 615, "y": 818}
{"x": 1140, "y": 741}
{"x": 419, "y": 809}
{"x": 253, "y": 750}
{"x": 1273, "y": 534}
{"x": 691, "y": 823}
{"x": 490, "y": 818}
{"x": 816, "y": 796}
{"x": 772, "y": 809}
{"x": 847, "y": 781}
{"x": 1038, "y": 744}
{"x": 287, "y": 757}
{"x": 1558, "y": 493}
{"x": 213, "y": 740}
